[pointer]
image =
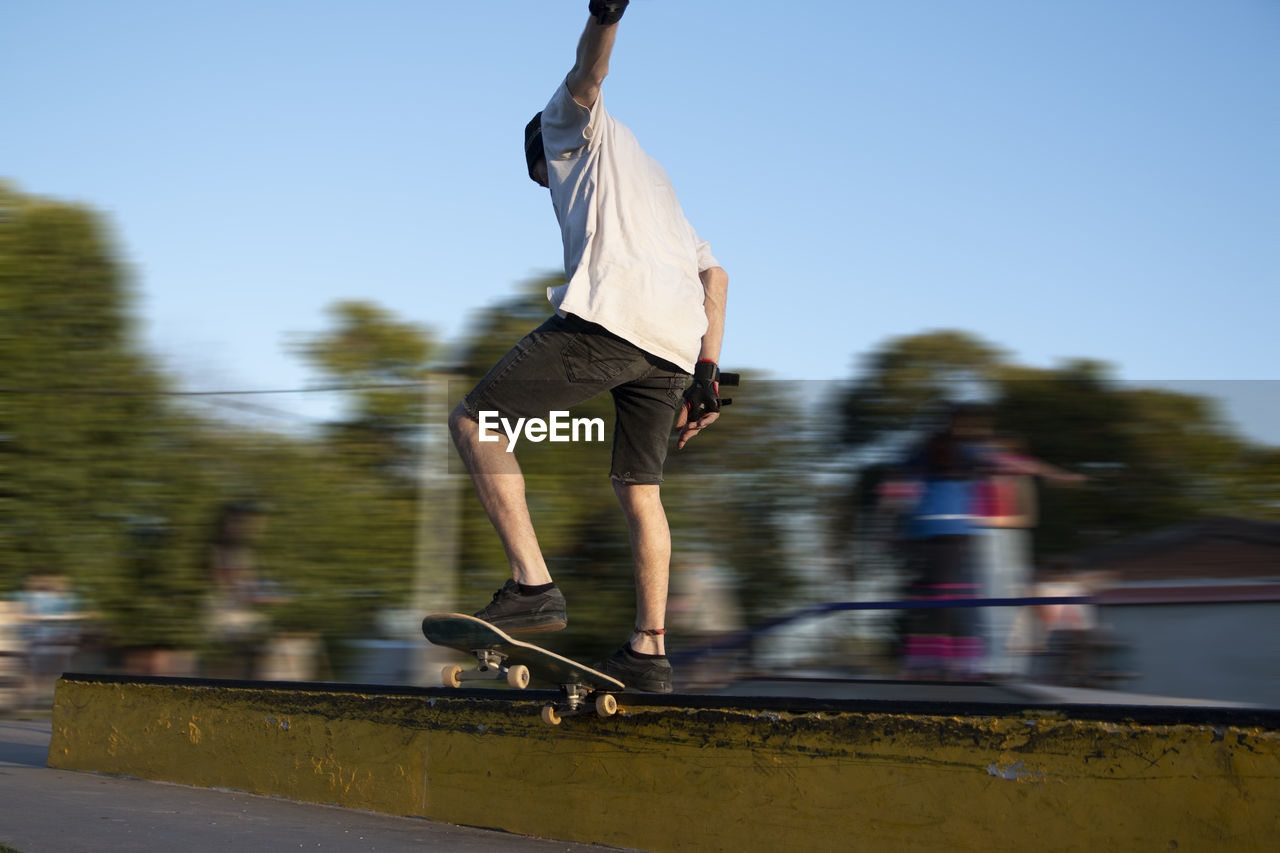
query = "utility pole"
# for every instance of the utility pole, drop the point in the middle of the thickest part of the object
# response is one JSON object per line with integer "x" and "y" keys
{"x": 435, "y": 587}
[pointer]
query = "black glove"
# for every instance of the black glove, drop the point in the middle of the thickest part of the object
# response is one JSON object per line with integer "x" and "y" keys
{"x": 703, "y": 395}
{"x": 607, "y": 12}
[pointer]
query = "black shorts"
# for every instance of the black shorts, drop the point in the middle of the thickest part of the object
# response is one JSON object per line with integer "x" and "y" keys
{"x": 567, "y": 360}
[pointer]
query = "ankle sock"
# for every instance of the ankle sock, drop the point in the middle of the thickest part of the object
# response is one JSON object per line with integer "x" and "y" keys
{"x": 535, "y": 590}
{"x": 632, "y": 653}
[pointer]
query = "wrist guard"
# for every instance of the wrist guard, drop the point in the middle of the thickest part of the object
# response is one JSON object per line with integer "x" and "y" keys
{"x": 607, "y": 12}
{"x": 703, "y": 395}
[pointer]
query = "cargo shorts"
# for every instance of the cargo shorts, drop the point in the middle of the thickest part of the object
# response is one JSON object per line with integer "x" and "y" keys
{"x": 568, "y": 360}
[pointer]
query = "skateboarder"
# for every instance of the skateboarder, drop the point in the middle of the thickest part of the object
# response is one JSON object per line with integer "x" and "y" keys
{"x": 642, "y": 308}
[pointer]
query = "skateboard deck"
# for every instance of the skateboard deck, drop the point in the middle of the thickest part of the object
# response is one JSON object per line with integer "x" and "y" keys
{"x": 501, "y": 656}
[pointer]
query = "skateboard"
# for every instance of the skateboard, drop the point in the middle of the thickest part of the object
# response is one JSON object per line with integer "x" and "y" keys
{"x": 500, "y": 656}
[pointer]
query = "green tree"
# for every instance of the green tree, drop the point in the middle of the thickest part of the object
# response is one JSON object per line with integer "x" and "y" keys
{"x": 342, "y": 510}
{"x": 105, "y": 480}
{"x": 83, "y": 446}
{"x": 906, "y": 383}
{"x": 1155, "y": 457}
{"x": 337, "y": 538}
{"x": 383, "y": 362}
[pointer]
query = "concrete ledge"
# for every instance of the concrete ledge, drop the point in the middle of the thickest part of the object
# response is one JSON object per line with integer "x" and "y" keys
{"x": 702, "y": 773}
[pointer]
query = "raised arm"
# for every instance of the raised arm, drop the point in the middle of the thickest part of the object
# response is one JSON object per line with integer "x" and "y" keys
{"x": 594, "y": 48}
{"x": 1017, "y": 463}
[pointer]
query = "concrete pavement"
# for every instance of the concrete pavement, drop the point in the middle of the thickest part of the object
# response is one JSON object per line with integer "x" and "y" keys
{"x": 43, "y": 810}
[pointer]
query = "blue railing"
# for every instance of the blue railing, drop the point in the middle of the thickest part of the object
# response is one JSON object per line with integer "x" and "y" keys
{"x": 746, "y": 637}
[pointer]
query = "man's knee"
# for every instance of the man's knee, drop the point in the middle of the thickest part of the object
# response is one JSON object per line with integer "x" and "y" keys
{"x": 636, "y": 498}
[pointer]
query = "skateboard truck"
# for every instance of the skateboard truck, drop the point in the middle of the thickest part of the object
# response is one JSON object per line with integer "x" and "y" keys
{"x": 490, "y": 669}
{"x": 575, "y": 695}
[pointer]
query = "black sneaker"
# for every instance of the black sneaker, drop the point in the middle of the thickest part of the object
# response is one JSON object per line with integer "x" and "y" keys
{"x": 652, "y": 675}
{"x": 525, "y": 614}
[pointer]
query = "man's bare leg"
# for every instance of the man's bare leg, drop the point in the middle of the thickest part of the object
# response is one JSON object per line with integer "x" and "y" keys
{"x": 651, "y": 548}
{"x": 499, "y": 485}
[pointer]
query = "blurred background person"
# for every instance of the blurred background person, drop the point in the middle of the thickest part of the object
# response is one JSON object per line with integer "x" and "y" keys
{"x": 236, "y": 624}
{"x": 12, "y": 655}
{"x": 943, "y": 642}
{"x": 49, "y": 617}
{"x": 963, "y": 486}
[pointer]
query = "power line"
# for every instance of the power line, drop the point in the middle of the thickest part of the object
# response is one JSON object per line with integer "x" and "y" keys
{"x": 110, "y": 392}
{"x": 213, "y": 397}
{"x": 262, "y": 411}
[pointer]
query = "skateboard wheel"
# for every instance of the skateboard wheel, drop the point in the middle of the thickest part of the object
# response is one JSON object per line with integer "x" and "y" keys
{"x": 518, "y": 676}
{"x": 549, "y": 715}
{"x": 606, "y": 705}
{"x": 449, "y": 675}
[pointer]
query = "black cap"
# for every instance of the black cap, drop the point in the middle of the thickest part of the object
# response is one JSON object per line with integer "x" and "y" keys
{"x": 533, "y": 150}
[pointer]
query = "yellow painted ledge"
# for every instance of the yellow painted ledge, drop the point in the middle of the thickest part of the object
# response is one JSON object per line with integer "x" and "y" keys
{"x": 666, "y": 777}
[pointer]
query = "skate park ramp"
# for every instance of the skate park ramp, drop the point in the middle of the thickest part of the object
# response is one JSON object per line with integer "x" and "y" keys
{"x": 702, "y": 772}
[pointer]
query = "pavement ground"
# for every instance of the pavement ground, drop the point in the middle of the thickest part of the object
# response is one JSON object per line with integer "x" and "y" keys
{"x": 44, "y": 810}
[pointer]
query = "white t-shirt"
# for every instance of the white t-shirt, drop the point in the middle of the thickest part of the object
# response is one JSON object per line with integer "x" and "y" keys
{"x": 631, "y": 259}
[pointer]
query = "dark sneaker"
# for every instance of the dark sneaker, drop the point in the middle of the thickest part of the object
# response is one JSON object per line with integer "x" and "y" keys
{"x": 652, "y": 675}
{"x": 525, "y": 614}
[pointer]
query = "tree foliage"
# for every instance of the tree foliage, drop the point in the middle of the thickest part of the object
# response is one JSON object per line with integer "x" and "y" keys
{"x": 907, "y": 382}
{"x": 105, "y": 478}
{"x": 83, "y": 432}
{"x": 383, "y": 362}
{"x": 1154, "y": 457}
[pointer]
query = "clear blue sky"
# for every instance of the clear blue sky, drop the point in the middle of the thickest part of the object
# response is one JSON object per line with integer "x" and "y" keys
{"x": 1093, "y": 178}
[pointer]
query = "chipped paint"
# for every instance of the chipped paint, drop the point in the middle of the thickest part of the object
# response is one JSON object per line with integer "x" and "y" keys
{"x": 1014, "y": 772}
{"x": 728, "y": 778}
